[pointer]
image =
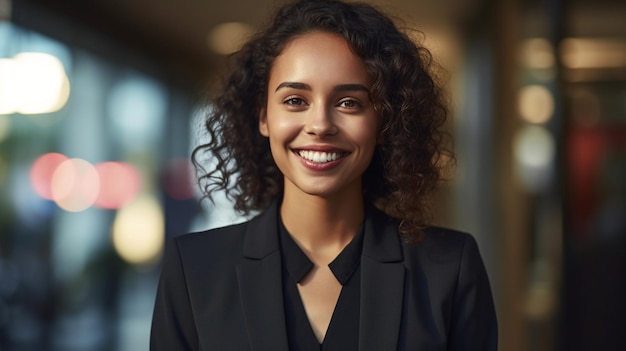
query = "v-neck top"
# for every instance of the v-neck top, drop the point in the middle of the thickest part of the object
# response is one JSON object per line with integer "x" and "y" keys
{"x": 343, "y": 331}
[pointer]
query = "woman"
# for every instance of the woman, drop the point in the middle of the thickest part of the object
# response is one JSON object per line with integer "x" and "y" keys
{"x": 331, "y": 123}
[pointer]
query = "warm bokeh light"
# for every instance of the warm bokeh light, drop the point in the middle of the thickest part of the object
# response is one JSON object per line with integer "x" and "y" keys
{"x": 139, "y": 231}
{"x": 75, "y": 185}
{"x": 41, "y": 173}
{"x": 227, "y": 38}
{"x": 537, "y": 53}
{"x": 178, "y": 179}
{"x": 33, "y": 83}
{"x": 536, "y": 104}
{"x": 580, "y": 53}
{"x": 119, "y": 184}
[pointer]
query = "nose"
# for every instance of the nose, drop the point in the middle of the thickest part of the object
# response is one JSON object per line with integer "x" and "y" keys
{"x": 320, "y": 122}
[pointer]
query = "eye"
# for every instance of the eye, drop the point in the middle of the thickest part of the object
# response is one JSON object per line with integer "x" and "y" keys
{"x": 349, "y": 104}
{"x": 294, "y": 101}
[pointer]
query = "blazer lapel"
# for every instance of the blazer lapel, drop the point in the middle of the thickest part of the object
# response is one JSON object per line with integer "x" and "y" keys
{"x": 382, "y": 285}
{"x": 260, "y": 284}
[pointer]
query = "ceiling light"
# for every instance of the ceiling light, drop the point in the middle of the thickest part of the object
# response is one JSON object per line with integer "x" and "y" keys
{"x": 581, "y": 53}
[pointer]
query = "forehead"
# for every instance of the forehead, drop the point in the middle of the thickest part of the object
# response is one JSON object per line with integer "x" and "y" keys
{"x": 319, "y": 56}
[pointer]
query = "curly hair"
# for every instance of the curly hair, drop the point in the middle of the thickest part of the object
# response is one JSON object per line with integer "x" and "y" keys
{"x": 405, "y": 92}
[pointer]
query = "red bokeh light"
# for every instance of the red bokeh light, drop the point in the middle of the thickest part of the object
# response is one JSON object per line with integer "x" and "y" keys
{"x": 119, "y": 184}
{"x": 42, "y": 171}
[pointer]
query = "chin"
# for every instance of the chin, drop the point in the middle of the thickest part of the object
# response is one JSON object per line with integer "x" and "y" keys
{"x": 326, "y": 191}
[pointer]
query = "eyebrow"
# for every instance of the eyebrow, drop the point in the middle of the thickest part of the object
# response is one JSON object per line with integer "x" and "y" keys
{"x": 304, "y": 86}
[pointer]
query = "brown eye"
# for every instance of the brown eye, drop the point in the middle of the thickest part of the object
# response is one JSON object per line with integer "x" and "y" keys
{"x": 349, "y": 104}
{"x": 294, "y": 101}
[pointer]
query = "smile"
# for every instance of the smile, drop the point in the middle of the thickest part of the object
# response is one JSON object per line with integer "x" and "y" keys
{"x": 320, "y": 156}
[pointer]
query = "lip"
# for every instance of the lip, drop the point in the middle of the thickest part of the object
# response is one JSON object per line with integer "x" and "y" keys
{"x": 320, "y": 166}
{"x": 320, "y": 148}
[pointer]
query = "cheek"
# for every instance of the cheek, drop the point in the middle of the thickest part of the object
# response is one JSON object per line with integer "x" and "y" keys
{"x": 282, "y": 126}
{"x": 368, "y": 134}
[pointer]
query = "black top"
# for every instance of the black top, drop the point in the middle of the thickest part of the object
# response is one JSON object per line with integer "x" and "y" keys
{"x": 343, "y": 331}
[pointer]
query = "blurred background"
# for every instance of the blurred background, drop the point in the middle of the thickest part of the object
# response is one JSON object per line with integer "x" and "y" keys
{"x": 100, "y": 103}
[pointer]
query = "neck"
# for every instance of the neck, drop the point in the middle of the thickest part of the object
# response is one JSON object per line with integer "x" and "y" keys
{"x": 319, "y": 223}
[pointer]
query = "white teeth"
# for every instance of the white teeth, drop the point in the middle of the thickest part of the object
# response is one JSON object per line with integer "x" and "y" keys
{"x": 319, "y": 157}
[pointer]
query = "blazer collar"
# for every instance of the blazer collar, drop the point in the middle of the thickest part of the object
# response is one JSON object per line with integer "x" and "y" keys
{"x": 260, "y": 284}
{"x": 261, "y": 238}
{"x": 382, "y": 283}
{"x": 382, "y": 241}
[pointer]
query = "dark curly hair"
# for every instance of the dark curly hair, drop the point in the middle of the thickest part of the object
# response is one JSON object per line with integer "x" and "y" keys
{"x": 405, "y": 167}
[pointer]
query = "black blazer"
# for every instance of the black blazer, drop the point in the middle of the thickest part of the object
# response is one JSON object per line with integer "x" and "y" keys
{"x": 222, "y": 290}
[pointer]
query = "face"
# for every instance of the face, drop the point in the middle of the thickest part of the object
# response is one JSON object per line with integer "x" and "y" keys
{"x": 319, "y": 119}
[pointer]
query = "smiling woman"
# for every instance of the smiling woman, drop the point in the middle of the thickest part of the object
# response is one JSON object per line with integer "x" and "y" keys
{"x": 331, "y": 122}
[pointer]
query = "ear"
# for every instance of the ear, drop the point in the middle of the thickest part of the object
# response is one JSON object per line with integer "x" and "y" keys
{"x": 263, "y": 129}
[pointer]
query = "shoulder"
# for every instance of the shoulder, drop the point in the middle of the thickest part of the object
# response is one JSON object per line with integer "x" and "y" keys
{"x": 228, "y": 235}
{"x": 254, "y": 238}
{"x": 452, "y": 269}
{"x": 444, "y": 250}
{"x": 213, "y": 245}
{"x": 434, "y": 245}
{"x": 444, "y": 241}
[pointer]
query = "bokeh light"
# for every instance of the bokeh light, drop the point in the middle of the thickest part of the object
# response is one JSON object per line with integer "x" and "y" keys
{"x": 581, "y": 53}
{"x": 119, "y": 184}
{"x": 41, "y": 173}
{"x": 137, "y": 106}
{"x": 534, "y": 147}
{"x": 538, "y": 53}
{"x": 534, "y": 150}
{"x": 139, "y": 231}
{"x": 536, "y": 104}
{"x": 33, "y": 83}
{"x": 75, "y": 185}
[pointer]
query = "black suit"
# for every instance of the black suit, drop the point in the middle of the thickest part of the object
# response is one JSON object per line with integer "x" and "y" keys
{"x": 222, "y": 290}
